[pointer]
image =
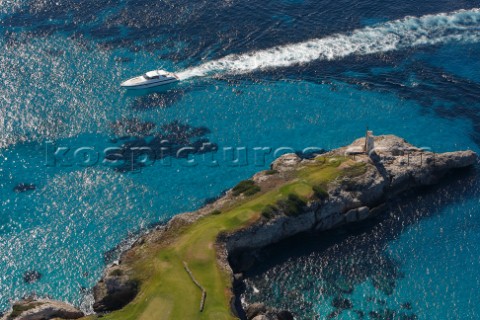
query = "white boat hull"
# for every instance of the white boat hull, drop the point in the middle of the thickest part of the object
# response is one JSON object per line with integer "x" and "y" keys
{"x": 148, "y": 85}
{"x": 150, "y": 80}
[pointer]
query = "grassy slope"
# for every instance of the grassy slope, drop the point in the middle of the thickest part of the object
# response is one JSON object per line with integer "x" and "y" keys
{"x": 167, "y": 292}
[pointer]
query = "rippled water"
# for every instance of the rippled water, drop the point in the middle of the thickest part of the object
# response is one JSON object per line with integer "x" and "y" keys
{"x": 271, "y": 74}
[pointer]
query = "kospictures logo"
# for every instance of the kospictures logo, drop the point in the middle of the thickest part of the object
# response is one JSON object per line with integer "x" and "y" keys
{"x": 131, "y": 158}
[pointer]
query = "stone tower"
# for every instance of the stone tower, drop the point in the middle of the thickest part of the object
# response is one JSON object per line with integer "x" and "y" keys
{"x": 369, "y": 142}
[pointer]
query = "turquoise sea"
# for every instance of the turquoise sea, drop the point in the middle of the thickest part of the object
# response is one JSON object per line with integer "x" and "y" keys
{"x": 275, "y": 74}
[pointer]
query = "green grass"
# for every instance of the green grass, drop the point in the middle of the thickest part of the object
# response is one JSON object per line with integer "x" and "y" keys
{"x": 166, "y": 290}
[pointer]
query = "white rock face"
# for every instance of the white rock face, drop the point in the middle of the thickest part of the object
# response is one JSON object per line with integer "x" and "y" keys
{"x": 286, "y": 162}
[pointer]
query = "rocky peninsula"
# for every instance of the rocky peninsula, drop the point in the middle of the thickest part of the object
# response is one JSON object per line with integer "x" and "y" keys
{"x": 189, "y": 268}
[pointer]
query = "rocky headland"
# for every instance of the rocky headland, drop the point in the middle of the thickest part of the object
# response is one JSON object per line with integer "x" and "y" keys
{"x": 40, "y": 309}
{"x": 189, "y": 268}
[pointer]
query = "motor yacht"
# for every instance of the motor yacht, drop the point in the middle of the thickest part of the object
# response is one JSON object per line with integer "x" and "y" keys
{"x": 150, "y": 79}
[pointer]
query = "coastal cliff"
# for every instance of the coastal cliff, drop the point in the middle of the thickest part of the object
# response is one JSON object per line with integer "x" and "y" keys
{"x": 188, "y": 268}
{"x": 392, "y": 168}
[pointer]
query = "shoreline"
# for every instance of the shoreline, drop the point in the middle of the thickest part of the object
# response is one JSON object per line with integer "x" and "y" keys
{"x": 341, "y": 187}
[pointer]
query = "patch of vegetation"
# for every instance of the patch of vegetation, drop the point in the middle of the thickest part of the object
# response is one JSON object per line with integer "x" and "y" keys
{"x": 354, "y": 170}
{"x": 334, "y": 161}
{"x": 246, "y": 187}
{"x": 269, "y": 212}
{"x": 116, "y": 273}
{"x": 253, "y": 190}
{"x": 319, "y": 192}
{"x": 215, "y": 212}
{"x": 271, "y": 172}
{"x": 292, "y": 206}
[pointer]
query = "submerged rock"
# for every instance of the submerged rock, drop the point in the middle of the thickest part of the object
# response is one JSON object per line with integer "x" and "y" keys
{"x": 341, "y": 303}
{"x": 334, "y": 314}
{"x": 408, "y": 316}
{"x": 132, "y": 127}
{"x": 24, "y": 187}
{"x": 174, "y": 139}
{"x": 31, "y": 276}
{"x": 383, "y": 314}
{"x": 158, "y": 100}
{"x": 406, "y": 306}
{"x": 123, "y": 59}
{"x": 285, "y": 315}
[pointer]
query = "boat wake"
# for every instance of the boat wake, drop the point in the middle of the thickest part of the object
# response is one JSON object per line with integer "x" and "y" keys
{"x": 459, "y": 26}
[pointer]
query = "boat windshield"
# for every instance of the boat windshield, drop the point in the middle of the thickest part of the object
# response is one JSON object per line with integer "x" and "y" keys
{"x": 150, "y": 78}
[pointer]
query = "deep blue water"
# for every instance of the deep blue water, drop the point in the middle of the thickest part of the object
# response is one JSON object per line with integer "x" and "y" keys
{"x": 61, "y": 63}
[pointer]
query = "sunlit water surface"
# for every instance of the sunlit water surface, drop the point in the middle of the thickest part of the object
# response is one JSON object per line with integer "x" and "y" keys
{"x": 304, "y": 74}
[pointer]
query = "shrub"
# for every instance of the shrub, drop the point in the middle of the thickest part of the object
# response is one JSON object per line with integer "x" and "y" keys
{"x": 292, "y": 206}
{"x": 215, "y": 212}
{"x": 320, "y": 193}
{"x": 252, "y": 191}
{"x": 247, "y": 187}
{"x": 242, "y": 186}
{"x": 288, "y": 208}
{"x": 270, "y": 172}
{"x": 295, "y": 199}
{"x": 116, "y": 273}
{"x": 269, "y": 212}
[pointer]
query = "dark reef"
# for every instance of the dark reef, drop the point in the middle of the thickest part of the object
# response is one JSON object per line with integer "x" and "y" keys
{"x": 146, "y": 144}
{"x": 24, "y": 187}
{"x": 31, "y": 276}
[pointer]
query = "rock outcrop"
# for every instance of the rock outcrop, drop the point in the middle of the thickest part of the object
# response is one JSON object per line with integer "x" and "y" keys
{"x": 393, "y": 167}
{"x": 42, "y": 309}
{"x": 258, "y": 311}
{"x": 114, "y": 291}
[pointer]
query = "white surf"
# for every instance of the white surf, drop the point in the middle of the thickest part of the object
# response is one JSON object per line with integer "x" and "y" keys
{"x": 459, "y": 26}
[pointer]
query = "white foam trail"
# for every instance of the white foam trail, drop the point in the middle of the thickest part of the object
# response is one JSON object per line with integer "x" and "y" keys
{"x": 459, "y": 26}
